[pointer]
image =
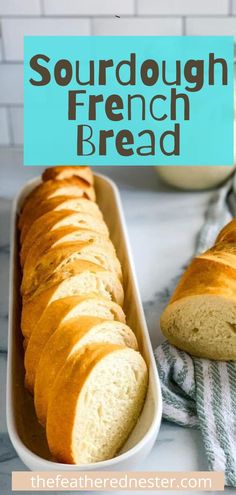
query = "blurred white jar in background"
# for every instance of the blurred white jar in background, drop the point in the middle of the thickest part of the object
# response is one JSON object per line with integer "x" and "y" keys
{"x": 197, "y": 177}
{"x": 194, "y": 177}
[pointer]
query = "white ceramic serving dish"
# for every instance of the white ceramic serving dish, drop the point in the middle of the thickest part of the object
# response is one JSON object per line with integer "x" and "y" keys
{"x": 26, "y": 434}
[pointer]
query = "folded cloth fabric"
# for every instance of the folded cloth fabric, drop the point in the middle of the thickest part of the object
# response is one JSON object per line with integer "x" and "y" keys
{"x": 198, "y": 392}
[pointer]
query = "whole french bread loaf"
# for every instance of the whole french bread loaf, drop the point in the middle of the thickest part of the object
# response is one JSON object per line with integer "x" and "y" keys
{"x": 76, "y": 341}
{"x": 201, "y": 315}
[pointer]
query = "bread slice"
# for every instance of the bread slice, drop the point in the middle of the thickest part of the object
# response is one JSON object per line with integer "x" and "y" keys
{"x": 82, "y": 278}
{"x": 56, "y": 237}
{"x": 59, "y": 312}
{"x": 52, "y": 188}
{"x": 57, "y": 219}
{"x": 72, "y": 203}
{"x": 66, "y": 340}
{"x": 64, "y": 172}
{"x": 38, "y": 272}
{"x": 95, "y": 403}
{"x": 201, "y": 315}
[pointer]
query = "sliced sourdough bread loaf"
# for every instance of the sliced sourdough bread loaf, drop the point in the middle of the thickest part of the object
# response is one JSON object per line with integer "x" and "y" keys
{"x": 57, "y": 259}
{"x": 59, "y": 312}
{"x": 82, "y": 278}
{"x": 95, "y": 403}
{"x": 58, "y": 203}
{"x": 57, "y": 219}
{"x": 67, "y": 171}
{"x": 66, "y": 340}
{"x": 61, "y": 236}
{"x": 201, "y": 315}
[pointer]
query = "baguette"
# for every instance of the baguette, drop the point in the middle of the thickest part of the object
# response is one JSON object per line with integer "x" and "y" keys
{"x": 66, "y": 340}
{"x": 60, "y": 173}
{"x": 52, "y": 221}
{"x": 59, "y": 236}
{"x": 59, "y": 312}
{"x": 95, "y": 403}
{"x": 39, "y": 271}
{"x": 72, "y": 203}
{"x": 201, "y": 315}
{"x": 82, "y": 278}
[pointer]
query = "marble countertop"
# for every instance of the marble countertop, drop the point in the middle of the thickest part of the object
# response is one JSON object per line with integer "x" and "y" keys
{"x": 162, "y": 225}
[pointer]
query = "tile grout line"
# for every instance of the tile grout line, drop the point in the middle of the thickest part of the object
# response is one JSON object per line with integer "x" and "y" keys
{"x": 41, "y": 2}
{"x": 111, "y": 16}
{"x": 92, "y": 27}
{"x": 3, "y": 45}
{"x": 12, "y": 105}
{"x": 10, "y": 126}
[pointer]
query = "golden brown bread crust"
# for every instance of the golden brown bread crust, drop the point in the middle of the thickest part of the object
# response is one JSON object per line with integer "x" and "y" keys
{"x": 33, "y": 307}
{"x": 64, "y": 172}
{"x": 51, "y": 318}
{"x": 201, "y": 315}
{"x": 57, "y": 219}
{"x": 39, "y": 271}
{"x": 29, "y": 215}
{"x": 55, "y": 237}
{"x": 206, "y": 276}
{"x": 228, "y": 233}
{"x": 60, "y": 422}
{"x": 67, "y": 338}
{"x": 52, "y": 188}
{"x": 52, "y": 359}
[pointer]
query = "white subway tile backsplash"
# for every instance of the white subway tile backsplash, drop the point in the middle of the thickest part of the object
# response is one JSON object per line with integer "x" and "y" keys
{"x": 17, "y": 124}
{"x": 215, "y": 26}
{"x": 183, "y": 7}
{"x": 20, "y": 7}
{"x": 4, "y": 131}
{"x": 14, "y": 30}
{"x": 88, "y": 7}
{"x": 137, "y": 26}
{"x": 11, "y": 84}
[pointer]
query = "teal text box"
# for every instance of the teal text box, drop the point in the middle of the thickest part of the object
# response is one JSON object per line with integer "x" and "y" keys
{"x": 51, "y": 139}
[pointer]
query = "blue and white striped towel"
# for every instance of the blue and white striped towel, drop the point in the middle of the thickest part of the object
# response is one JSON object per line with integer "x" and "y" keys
{"x": 198, "y": 392}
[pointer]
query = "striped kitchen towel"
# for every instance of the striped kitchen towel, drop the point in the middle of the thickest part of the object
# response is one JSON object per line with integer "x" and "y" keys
{"x": 198, "y": 392}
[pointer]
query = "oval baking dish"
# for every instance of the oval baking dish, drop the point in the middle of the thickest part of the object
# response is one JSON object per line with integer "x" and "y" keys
{"x": 26, "y": 434}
